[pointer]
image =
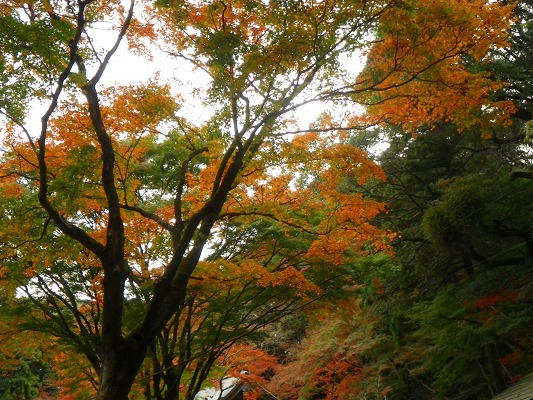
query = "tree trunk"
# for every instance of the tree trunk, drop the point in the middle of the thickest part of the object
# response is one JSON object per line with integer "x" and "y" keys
{"x": 495, "y": 369}
{"x": 119, "y": 369}
{"x": 121, "y": 357}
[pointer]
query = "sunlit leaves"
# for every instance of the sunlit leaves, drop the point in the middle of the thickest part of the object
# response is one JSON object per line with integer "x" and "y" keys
{"x": 261, "y": 48}
{"x": 419, "y": 66}
{"x": 305, "y": 193}
{"x": 34, "y": 47}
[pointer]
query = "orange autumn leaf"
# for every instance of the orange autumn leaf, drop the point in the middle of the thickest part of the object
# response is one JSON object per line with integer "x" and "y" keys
{"x": 419, "y": 67}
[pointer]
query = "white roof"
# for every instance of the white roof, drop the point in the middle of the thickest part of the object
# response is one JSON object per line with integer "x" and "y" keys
{"x": 215, "y": 394}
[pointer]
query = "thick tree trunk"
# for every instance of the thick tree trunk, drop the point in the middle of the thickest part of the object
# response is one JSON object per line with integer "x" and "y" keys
{"x": 119, "y": 369}
{"x": 122, "y": 358}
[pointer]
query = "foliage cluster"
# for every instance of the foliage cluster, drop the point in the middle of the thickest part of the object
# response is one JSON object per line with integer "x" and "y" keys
{"x": 453, "y": 306}
{"x": 153, "y": 255}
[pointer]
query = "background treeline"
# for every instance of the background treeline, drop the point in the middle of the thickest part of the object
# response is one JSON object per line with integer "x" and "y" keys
{"x": 450, "y": 316}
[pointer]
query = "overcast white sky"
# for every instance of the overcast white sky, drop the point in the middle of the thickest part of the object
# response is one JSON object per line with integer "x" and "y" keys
{"x": 126, "y": 68}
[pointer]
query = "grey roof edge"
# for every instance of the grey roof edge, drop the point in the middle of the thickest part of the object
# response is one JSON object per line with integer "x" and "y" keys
{"x": 522, "y": 390}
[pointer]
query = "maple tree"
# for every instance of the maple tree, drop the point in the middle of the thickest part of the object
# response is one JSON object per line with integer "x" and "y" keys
{"x": 438, "y": 92}
{"x": 118, "y": 209}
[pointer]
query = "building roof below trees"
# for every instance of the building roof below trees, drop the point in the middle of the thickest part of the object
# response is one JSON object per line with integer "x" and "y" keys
{"x": 523, "y": 390}
{"x": 234, "y": 389}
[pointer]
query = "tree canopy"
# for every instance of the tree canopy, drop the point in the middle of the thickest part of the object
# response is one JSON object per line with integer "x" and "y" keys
{"x": 149, "y": 245}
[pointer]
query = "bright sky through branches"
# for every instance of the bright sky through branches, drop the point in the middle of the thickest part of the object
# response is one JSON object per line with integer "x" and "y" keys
{"x": 127, "y": 68}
